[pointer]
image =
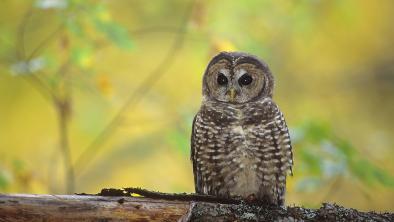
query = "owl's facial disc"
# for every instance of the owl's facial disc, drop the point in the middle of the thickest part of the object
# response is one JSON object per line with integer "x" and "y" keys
{"x": 218, "y": 80}
{"x": 248, "y": 81}
{"x": 236, "y": 81}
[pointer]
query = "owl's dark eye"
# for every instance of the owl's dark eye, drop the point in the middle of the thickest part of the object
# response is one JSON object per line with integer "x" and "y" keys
{"x": 245, "y": 80}
{"x": 222, "y": 79}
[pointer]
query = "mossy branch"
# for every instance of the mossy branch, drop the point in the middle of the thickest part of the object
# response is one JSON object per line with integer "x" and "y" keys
{"x": 122, "y": 205}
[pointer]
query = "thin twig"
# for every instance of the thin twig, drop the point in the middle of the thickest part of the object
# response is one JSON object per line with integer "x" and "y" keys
{"x": 44, "y": 42}
{"x": 40, "y": 86}
{"x": 62, "y": 104}
{"x": 52, "y": 187}
{"x": 132, "y": 191}
{"x": 21, "y": 32}
{"x": 180, "y": 196}
{"x": 47, "y": 93}
{"x": 63, "y": 118}
{"x": 135, "y": 97}
{"x": 333, "y": 188}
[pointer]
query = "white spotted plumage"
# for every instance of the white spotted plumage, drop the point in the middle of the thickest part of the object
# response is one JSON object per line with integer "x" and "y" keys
{"x": 241, "y": 149}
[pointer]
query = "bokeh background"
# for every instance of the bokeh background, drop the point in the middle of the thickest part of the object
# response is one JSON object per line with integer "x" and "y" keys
{"x": 98, "y": 94}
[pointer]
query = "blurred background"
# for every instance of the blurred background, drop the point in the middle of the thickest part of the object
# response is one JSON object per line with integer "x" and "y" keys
{"x": 97, "y": 94}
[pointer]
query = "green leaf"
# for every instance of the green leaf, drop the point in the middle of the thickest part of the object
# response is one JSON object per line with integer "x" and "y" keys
{"x": 75, "y": 27}
{"x": 317, "y": 131}
{"x": 324, "y": 154}
{"x": 311, "y": 161}
{"x": 346, "y": 148}
{"x": 370, "y": 174}
{"x": 116, "y": 33}
{"x": 384, "y": 178}
{"x": 83, "y": 57}
{"x": 179, "y": 140}
{"x": 4, "y": 183}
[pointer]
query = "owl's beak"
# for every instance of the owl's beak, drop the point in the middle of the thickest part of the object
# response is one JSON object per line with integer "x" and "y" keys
{"x": 232, "y": 93}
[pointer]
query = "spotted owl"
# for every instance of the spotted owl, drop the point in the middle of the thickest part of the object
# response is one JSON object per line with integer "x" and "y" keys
{"x": 240, "y": 143}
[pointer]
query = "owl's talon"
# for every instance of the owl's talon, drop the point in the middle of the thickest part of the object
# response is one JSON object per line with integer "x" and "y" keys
{"x": 251, "y": 198}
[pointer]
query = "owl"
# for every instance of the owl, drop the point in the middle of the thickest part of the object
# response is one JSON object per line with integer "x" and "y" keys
{"x": 240, "y": 143}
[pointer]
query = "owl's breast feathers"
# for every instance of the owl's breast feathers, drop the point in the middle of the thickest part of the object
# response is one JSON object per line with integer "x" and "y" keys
{"x": 241, "y": 150}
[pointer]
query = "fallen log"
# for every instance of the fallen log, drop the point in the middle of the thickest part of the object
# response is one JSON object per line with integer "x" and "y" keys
{"x": 30, "y": 207}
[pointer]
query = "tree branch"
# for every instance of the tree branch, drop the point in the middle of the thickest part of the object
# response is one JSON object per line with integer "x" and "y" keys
{"x": 135, "y": 97}
{"x": 45, "y": 42}
{"x": 40, "y": 86}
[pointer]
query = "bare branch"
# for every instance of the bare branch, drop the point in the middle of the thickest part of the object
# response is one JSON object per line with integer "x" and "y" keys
{"x": 334, "y": 187}
{"x": 40, "y": 86}
{"x": 45, "y": 42}
{"x": 135, "y": 97}
{"x": 63, "y": 118}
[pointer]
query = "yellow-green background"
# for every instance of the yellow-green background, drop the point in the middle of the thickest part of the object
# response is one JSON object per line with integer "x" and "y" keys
{"x": 333, "y": 62}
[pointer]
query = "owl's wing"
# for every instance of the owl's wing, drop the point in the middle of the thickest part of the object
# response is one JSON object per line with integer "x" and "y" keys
{"x": 193, "y": 158}
{"x": 281, "y": 139}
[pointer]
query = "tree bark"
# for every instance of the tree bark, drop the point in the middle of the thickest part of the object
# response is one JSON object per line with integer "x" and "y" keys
{"x": 26, "y": 207}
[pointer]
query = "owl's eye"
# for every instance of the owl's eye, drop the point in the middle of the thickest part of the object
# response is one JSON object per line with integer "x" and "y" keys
{"x": 222, "y": 79}
{"x": 245, "y": 79}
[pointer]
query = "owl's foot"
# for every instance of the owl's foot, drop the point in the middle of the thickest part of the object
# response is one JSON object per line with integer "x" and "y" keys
{"x": 251, "y": 199}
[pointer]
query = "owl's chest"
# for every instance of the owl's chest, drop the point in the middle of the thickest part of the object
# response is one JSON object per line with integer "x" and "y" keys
{"x": 232, "y": 139}
{"x": 242, "y": 130}
{"x": 242, "y": 178}
{"x": 237, "y": 131}
{"x": 241, "y": 142}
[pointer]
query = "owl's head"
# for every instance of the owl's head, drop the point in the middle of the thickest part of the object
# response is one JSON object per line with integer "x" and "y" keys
{"x": 237, "y": 77}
